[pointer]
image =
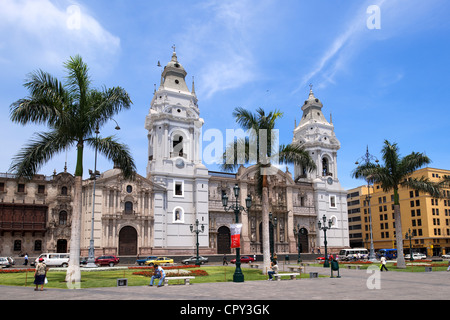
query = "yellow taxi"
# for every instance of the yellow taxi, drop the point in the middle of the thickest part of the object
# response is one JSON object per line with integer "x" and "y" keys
{"x": 159, "y": 261}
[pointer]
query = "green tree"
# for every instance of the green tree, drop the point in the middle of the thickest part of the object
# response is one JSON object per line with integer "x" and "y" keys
{"x": 259, "y": 147}
{"x": 395, "y": 173}
{"x": 72, "y": 111}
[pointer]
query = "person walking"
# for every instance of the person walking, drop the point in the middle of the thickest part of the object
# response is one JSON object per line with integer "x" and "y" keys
{"x": 40, "y": 274}
{"x": 225, "y": 262}
{"x": 158, "y": 274}
{"x": 383, "y": 263}
{"x": 274, "y": 267}
{"x": 26, "y": 259}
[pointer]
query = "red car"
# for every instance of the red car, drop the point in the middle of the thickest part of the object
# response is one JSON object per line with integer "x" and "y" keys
{"x": 244, "y": 259}
{"x": 107, "y": 261}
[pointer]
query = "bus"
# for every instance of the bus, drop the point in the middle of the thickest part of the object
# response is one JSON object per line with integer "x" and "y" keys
{"x": 389, "y": 254}
{"x": 353, "y": 254}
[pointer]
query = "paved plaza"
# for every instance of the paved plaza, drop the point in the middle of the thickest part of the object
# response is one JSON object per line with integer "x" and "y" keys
{"x": 353, "y": 285}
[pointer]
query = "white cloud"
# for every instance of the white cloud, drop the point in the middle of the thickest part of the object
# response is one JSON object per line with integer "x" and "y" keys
{"x": 337, "y": 55}
{"x": 45, "y": 34}
{"x": 223, "y": 44}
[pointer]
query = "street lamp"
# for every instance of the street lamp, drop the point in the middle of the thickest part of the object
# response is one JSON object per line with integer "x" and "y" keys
{"x": 299, "y": 232}
{"x": 366, "y": 159}
{"x": 93, "y": 176}
{"x": 197, "y": 231}
{"x": 410, "y": 236}
{"x": 238, "y": 275}
{"x": 326, "y": 264}
{"x": 274, "y": 222}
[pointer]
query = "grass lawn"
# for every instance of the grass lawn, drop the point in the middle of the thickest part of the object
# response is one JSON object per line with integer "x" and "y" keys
{"x": 410, "y": 267}
{"x": 108, "y": 278}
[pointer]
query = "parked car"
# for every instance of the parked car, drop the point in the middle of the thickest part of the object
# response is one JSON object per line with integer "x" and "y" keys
{"x": 107, "y": 261}
{"x": 142, "y": 261}
{"x": 4, "y": 262}
{"x": 416, "y": 256}
{"x": 320, "y": 258}
{"x": 446, "y": 256}
{"x": 193, "y": 260}
{"x": 244, "y": 259}
{"x": 159, "y": 261}
{"x": 54, "y": 259}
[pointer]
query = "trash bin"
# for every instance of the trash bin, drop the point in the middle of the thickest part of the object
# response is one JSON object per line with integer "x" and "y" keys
{"x": 335, "y": 267}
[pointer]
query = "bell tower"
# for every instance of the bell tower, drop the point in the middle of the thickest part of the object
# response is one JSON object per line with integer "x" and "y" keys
{"x": 317, "y": 136}
{"x": 174, "y": 162}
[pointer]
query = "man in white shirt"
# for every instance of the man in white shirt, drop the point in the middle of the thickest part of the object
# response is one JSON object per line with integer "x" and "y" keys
{"x": 159, "y": 274}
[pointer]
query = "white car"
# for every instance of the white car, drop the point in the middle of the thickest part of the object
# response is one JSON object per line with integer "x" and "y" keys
{"x": 416, "y": 256}
{"x": 4, "y": 262}
{"x": 446, "y": 256}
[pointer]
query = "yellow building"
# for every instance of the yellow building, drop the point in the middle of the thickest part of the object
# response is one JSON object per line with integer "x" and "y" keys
{"x": 428, "y": 218}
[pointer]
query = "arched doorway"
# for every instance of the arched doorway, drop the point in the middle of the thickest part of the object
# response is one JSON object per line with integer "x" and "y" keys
{"x": 224, "y": 240}
{"x": 61, "y": 246}
{"x": 304, "y": 240}
{"x": 127, "y": 241}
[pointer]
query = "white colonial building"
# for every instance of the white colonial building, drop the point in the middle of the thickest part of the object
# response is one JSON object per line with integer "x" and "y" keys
{"x": 153, "y": 214}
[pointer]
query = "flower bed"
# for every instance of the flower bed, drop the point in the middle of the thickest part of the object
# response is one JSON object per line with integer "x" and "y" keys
{"x": 16, "y": 270}
{"x": 173, "y": 273}
{"x": 166, "y": 268}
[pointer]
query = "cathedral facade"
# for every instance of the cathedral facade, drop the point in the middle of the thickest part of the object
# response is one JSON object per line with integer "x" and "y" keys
{"x": 155, "y": 214}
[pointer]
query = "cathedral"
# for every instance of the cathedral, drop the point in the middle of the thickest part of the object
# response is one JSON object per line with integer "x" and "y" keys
{"x": 154, "y": 215}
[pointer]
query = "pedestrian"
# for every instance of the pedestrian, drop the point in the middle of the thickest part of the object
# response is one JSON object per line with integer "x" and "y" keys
{"x": 158, "y": 274}
{"x": 448, "y": 268}
{"x": 274, "y": 267}
{"x": 40, "y": 274}
{"x": 225, "y": 262}
{"x": 26, "y": 259}
{"x": 383, "y": 263}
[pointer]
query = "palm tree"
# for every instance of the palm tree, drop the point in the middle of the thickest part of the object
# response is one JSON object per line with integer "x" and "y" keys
{"x": 72, "y": 111}
{"x": 259, "y": 148}
{"x": 395, "y": 174}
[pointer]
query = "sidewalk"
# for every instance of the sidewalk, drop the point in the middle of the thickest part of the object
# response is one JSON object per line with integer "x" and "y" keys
{"x": 353, "y": 285}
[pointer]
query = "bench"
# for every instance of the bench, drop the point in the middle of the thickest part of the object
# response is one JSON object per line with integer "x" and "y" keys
{"x": 254, "y": 265}
{"x": 357, "y": 266}
{"x": 185, "y": 278}
{"x": 290, "y": 275}
{"x": 296, "y": 268}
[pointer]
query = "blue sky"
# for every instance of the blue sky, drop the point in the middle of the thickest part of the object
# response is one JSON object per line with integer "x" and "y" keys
{"x": 391, "y": 82}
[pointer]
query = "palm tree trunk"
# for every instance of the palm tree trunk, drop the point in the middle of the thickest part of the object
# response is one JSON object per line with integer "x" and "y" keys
{"x": 265, "y": 226}
{"x": 73, "y": 275}
{"x": 399, "y": 237}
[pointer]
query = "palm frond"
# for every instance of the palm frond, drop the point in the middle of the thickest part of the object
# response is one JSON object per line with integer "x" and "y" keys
{"x": 423, "y": 184}
{"x": 37, "y": 152}
{"x": 297, "y": 155}
{"x": 119, "y": 153}
{"x": 46, "y": 102}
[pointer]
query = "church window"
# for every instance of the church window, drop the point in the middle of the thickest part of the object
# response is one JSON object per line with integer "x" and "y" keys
{"x": 129, "y": 188}
{"x": 177, "y": 146}
{"x": 128, "y": 207}
{"x": 332, "y": 201}
{"x": 325, "y": 169}
{"x": 64, "y": 191}
{"x": 62, "y": 218}
{"x": 178, "y": 188}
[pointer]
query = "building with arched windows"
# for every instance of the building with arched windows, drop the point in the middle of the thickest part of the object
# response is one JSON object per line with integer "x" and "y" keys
{"x": 152, "y": 214}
